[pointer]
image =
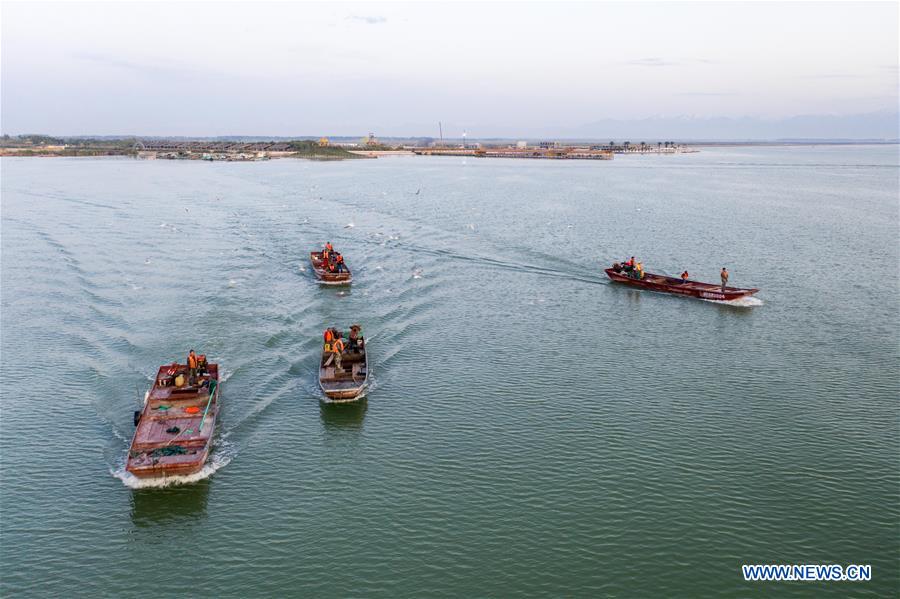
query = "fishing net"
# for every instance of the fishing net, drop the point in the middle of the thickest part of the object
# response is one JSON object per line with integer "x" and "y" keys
{"x": 168, "y": 450}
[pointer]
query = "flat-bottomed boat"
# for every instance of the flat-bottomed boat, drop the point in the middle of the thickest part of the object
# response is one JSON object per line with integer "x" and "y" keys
{"x": 174, "y": 429}
{"x": 676, "y": 286}
{"x": 325, "y": 276}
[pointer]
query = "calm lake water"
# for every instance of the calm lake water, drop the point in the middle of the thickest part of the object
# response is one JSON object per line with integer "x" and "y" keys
{"x": 532, "y": 430}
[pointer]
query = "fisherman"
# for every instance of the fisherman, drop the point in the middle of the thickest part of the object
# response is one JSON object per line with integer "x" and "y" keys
{"x": 337, "y": 348}
{"x": 355, "y": 338}
{"x": 202, "y": 365}
{"x": 328, "y": 336}
{"x": 639, "y": 270}
{"x": 339, "y": 261}
{"x": 329, "y": 247}
{"x": 724, "y": 275}
{"x": 684, "y": 277}
{"x": 192, "y": 364}
{"x": 629, "y": 265}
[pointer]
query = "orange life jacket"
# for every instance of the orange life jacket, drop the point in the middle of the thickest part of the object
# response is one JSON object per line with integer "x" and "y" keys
{"x": 329, "y": 247}
{"x": 337, "y": 347}
{"x": 192, "y": 361}
{"x": 329, "y": 336}
{"x": 339, "y": 259}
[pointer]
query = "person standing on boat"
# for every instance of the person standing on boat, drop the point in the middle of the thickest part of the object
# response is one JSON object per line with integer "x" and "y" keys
{"x": 684, "y": 277}
{"x": 639, "y": 270}
{"x": 629, "y": 266}
{"x": 337, "y": 348}
{"x": 192, "y": 364}
{"x": 724, "y": 275}
{"x": 339, "y": 261}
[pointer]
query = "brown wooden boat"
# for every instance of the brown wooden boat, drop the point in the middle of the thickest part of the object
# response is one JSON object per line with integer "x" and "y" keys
{"x": 349, "y": 383}
{"x": 674, "y": 285}
{"x": 175, "y": 428}
{"x": 327, "y": 277}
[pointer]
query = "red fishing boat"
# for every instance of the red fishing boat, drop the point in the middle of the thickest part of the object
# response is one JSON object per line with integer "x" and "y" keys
{"x": 325, "y": 276}
{"x": 175, "y": 428}
{"x": 666, "y": 284}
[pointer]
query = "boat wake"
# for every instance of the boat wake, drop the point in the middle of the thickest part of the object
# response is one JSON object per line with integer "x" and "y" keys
{"x": 741, "y": 302}
{"x": 219, "y": 458}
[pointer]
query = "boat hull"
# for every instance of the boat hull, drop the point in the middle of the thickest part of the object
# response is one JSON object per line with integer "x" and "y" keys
{"x": 325, "y": 277}
{"x": 664, "y": 284}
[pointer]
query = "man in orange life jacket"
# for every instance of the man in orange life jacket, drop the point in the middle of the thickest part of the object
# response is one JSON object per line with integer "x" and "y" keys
{"x": 339, "y": 262}
{"x": 684, "y": 277}
{"x": 337, "y": 348}
{"x": 192, "y": 363}
{"x": 328, "y": 335}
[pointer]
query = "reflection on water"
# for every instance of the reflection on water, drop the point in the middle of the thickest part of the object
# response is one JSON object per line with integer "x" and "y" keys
{"x": 343, "y": 416}
{"x": 150, "y": 507}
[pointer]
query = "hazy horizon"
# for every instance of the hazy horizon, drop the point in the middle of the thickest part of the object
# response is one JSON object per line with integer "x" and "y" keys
{"x": 676, "y": 70}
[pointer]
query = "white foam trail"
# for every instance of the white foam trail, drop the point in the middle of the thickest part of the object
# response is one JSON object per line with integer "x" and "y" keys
{"x": 219, "y": 458}
{"x": 741, "y": 302}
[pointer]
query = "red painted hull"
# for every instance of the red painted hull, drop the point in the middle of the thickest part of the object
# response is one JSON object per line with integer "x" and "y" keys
{"x": 675, "y": 286}
{"x": 326, "y": 277}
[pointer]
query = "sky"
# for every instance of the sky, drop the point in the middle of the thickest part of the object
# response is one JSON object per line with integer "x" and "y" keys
{"x": 505, "y": 69}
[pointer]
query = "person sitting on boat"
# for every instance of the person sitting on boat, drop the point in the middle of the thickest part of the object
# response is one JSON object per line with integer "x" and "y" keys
{"x": 629, "y": 265}
{"x": 724, "y": 275}
{"x": 202, "y": 365}
{"x": 617, "y": 267}
{"x": 337, "y": 349}
{"x": 684, "y": 277}
{"x": 639, "y": 270}
{"x": 192, "y": 364}
{"x": 356, "y": 339}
